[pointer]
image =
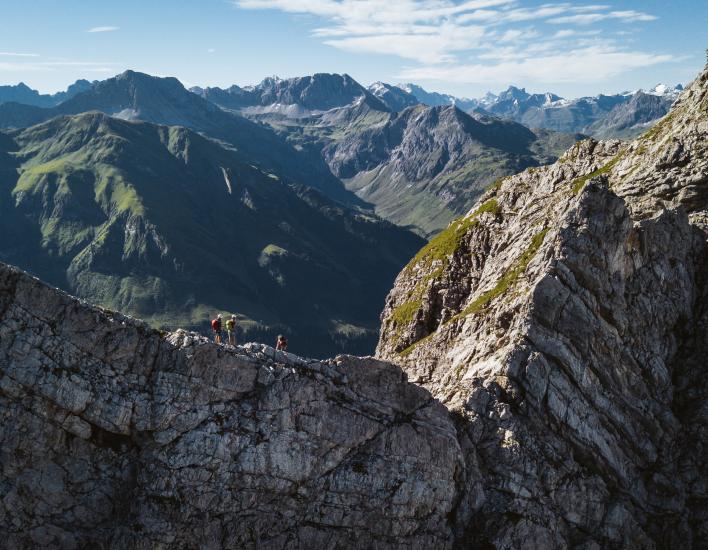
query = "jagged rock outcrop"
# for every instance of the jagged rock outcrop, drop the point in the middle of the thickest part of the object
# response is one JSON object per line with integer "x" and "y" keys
{"x": 563, "y": 321}
{"x": 113, "y": 435}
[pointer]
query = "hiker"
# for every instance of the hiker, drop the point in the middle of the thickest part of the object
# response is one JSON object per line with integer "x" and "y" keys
{"x": 231, "y": 330}
{"x": 281, "y": 343}
{"x": 216, "y": 327}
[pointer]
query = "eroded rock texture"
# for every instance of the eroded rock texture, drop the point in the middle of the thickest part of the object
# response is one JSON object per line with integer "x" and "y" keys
{"x": 115, "y": 436}
{"x": 564, "y": 323}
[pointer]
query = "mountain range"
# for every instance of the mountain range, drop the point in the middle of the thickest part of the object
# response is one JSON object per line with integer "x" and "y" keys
{"x": 324, "y": 119}
{"x": 21, "y": 93}
{"x": 138, "y": 96}
{"x": 167, "y": 224}
{"x": 418, "y": 165}
{"x": 622, "y": 115}
{"x": 140, "y": 195}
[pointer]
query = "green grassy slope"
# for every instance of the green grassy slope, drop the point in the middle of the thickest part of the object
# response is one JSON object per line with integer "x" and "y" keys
{"x": 165, "y": 224}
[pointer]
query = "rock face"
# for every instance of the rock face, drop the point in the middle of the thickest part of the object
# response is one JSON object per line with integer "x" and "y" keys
{"x": 113, "y": 435}
{"x": 563, "y": 321}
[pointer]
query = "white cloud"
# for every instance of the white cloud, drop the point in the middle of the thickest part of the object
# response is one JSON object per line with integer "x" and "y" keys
{"x": 567, "y": 33}
{"x": 103, "y": 29}
{"x": 476, "y": 41}
{"x": 629, "y": 16}
{"x": 589, "y": 64}
{"x": 15, "y": 54}
{"x": 211, "y": 50}
{"x": 518, "y": 35}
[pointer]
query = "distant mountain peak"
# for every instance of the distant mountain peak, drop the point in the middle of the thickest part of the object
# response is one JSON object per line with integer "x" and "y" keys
{"x": 665, "y": 90}
{"x": 434, "y": 99}
{"x": 318, "y": 92}
{"x": 23, "y": 94}
{"x": 394, "y": 97}
{"x": 513, "y": 93}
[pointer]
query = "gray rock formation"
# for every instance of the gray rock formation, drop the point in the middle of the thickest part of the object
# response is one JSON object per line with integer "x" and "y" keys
{"x": 113, "y": 435}
{"x": 563, "y": 322}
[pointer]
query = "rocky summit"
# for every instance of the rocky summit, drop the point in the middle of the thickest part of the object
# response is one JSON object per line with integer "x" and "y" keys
{"x": 564, "y": 322}
{"x": 114, "y": 435}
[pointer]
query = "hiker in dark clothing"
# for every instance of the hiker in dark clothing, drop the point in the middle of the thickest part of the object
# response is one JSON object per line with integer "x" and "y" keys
{"x": 216, "y": 327}
{"x": 281, "y": 343}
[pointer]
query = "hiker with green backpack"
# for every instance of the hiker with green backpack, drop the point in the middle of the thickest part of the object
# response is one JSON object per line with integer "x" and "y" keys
{"x": 231, "y": 330}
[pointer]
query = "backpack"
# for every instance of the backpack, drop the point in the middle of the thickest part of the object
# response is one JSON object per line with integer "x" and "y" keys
{"x": 216, "y": 325}
{"x": 230, "y": 325}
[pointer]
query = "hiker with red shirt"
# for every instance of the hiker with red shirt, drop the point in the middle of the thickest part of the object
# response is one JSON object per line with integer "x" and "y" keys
{"x": 216, "y": 327}
{"x": 281, "y": 343}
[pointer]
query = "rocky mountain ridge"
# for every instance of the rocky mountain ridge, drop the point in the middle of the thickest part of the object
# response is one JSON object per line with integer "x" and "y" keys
{"x": 563, "y": 320}
{"x": 319, "y": 92}
{"x": 114, "y": 435}
{"x": 425, "y": 165}
{"x": 436, "y": 99}
{"x": 133, "y": 95}
{"x": 623, "y": 115}
{"x": 395, "y": 98}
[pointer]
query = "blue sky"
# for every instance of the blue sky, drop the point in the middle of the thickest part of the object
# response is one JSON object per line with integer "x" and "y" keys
{"x": 465, "y": 47}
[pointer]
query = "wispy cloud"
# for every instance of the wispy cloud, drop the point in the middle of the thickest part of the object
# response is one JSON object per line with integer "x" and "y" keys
{"x": 477, "y": 41}
{"x": 15, "y": 54}
{"x": 588, "y": 64}
{"x": 103, "y": 29}
{"x": 629, "y": 16}
{"x": 59, "y": 64}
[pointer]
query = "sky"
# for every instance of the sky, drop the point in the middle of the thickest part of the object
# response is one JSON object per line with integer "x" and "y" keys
{"x": 462, "y": 47}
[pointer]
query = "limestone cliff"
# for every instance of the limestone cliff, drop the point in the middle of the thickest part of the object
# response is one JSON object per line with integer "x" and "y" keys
{"x": 564, "y": 323}
{"x": 113, "y": 435}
